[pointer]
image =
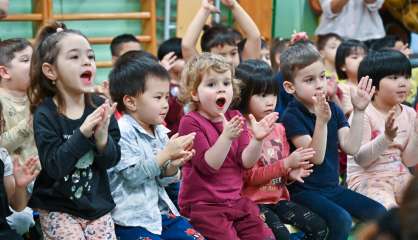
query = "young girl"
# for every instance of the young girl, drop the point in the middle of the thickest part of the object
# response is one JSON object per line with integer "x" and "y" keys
{"x": 347, "y": 59}
{"x": 210, "y": 194}
{"x": 77, "y": 141}
{"x": 220, "y": 39}
{"x": 265, "y": 183}
{"x": 390, "y": 140}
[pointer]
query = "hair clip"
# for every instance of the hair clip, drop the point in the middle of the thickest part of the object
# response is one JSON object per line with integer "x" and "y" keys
{"x": 60, "y": 29}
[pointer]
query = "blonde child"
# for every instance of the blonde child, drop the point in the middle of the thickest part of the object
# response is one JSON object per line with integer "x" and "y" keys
{"x": 220, "y": 39}
{"x": 390, "y": 140}
{"x": 265, "y": 183}
{"x": 76, "y": 135}
{"x": 210, "y": 193}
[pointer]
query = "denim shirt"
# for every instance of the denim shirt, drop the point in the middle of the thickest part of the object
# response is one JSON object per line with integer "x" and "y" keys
{"x": 136, "y": 185}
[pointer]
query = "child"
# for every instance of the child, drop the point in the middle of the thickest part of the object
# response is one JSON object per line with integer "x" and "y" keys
{"x": 77, "y": 141}
{"x": 123, "y": 43}
{"x": 15, "y": 58}
{"x": 390, "y": 140}
{"x": 13, "y": 182}
{"x": 265, "y": 183}
{"x": 220, "y": 39}
{"x": 278, "y": 45}
{"x": 327, "y": 46}
{"x": 149, "y": 159}
{"x": 347, "y": 59}
{"x": 264, "y": 51}
{"x": 311, "y": 121}
{"x": 212, "y": 180}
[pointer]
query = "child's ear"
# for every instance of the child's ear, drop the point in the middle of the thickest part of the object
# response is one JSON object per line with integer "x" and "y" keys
{"x": 195, "y": 97}
{"x": 289, "y": 87}
{"x": 49, "y": 71}
{"x": 129, "y": 103}
{"x": 4, "y": 73}
{"x": 343, "y": 68}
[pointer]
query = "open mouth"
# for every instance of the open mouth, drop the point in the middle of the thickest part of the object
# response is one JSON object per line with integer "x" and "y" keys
{"x": 86, "y": 77}
{"x": 220, "y": 102}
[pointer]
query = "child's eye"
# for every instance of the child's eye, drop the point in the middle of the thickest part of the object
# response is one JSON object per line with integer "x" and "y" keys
{"x": 92, "y": 57}
{"x": 157, "y": 97}
{"x": 74, "y": 57}
{"x": 227, "y": 83}
{"x": 210, "y": 84}
{"x": 166, "y": 97}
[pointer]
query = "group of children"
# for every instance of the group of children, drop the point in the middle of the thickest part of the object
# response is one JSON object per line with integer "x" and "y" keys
{"x": 189, "y": 146}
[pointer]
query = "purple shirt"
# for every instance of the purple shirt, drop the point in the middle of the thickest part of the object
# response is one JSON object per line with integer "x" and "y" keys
{"x": 201, "y": 183}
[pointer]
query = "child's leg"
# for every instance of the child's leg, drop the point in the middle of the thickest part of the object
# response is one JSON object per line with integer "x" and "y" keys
{"x": 135, "y": 233}
{"x": 301, "y": 217}
{"x": 100, "y": 229}
{"x": 381, "y": 190}
{"x": 337, "y": 218}
{"x": 56, "y": 225}
{"x": 273, "y": 221}
{"x": 178, "y": 228}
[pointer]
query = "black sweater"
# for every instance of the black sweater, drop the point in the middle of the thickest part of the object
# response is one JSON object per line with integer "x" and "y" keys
{"x": 73, "y": 178}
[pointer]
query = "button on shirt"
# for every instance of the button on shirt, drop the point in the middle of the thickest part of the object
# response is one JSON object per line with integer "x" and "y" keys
{"x": 356, "y": 20}
{"x": 136, "y": 184}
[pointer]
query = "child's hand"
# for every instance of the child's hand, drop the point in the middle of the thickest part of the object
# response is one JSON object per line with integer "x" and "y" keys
{"x": 87, "y": 128}
{"x": 168, "y": 60}
{"x": 233, "y": 127}
{"x": 26, "y": 173}
{"x": 302, "y": 172}
{"x": 182, "y": 160}
{"x": 299, "y": 157}
{"x": 321, "y": 107}
{"x": 390, "y": 127}
{"x": 179, "y": 147}
{"x": 361, "y": 96}
{"x": 210, "y": 6}
{"x": 229, "y": 3}
{"x": 101, "y": 130}
{"x": 262, "y": 128}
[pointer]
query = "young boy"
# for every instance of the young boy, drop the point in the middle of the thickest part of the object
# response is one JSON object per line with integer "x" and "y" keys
{"x": 327, "y": 46}
{"x": 149, "y": 160}
{"x": 311, "y": 121}
{"x": 123, "y": 43}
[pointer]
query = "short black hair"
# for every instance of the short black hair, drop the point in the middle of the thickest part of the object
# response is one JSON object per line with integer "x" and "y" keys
{"x": 242, "y": 43}
{"x": 257, "y": 78}
{"x": 217, "y": 35}
{"x": 9, "y": 47}
{"x": 386, "y": 42}
{"x": 119, "y": 40}
{"x": 323, "y": 39}
{"x": 345, "y": 49}
{"x": 379, "y": 64}
{"x": 170, "y": 45}
{"x": 129, "y": 75}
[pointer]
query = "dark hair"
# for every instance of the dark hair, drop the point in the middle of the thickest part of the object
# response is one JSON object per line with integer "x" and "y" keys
{"x": 386, "y": 42}
{"x": 144, "y": 54}
{"x": 242, "y": 43}
{"x": 278, "y": 45}
{"x": 9, "y": 47}
{"x": 217, "y": 35}
{"x": 119, "y": 40}
{"x": 296, "y": 57}
{"x": 345, "y": 49}
{"x": 170, "y": 45}
{"x": 256, "y": 77}
{"x": 129, "y": 75}
{"x": 323, "y": 39}
{"x": 46, "y": 49}
{"x": 379, "y": 64}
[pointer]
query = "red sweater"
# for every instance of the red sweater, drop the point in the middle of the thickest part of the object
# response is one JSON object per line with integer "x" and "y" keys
{"x": 265, "y": 182}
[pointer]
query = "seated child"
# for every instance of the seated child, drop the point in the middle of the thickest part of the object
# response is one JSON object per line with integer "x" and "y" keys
{"x": 265, "y": 183}
{"x": 149, "y": 160}
{"x": 123, "y": 43}
{"x": 210, "y": 193}
{"x": 311, "y": 121}
{"x": 390, "y": 139}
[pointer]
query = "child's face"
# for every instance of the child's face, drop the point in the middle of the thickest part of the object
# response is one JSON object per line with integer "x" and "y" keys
{"x": 75, "y": 67}
{"x": 151, "y": 107}
{"x": 262, "y": 105}
{"x": 265, "y": 55}
{"x": 330, "y": 49}
{"x": 126, "y": 47}
{"x": 19, "y": 70}
{"x": 352, "y": 62}
{"x": 393, "y": 90}
{"x": 214, "y": 94}
{"x": 307, "y": 82}
{"x": 230, "y": 53}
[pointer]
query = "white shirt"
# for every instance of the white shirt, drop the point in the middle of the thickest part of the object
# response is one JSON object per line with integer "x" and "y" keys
{"x": 356, "y": 20}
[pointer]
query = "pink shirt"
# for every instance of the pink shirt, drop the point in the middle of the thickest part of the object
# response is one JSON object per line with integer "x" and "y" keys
{"x": 201, "y": 183}
{"x": 265, "y": 182}
{"x": 390, "y": 162}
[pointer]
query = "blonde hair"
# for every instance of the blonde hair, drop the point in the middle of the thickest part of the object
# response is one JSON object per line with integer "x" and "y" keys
{"x": 193, "y": 72}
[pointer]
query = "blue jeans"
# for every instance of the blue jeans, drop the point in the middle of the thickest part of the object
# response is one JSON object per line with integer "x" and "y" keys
{"x": 336, "y": 206}
{"x": 174, "y": 228}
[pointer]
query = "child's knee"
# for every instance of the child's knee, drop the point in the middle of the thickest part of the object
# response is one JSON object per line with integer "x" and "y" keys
{"x": 341, "y": 221}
